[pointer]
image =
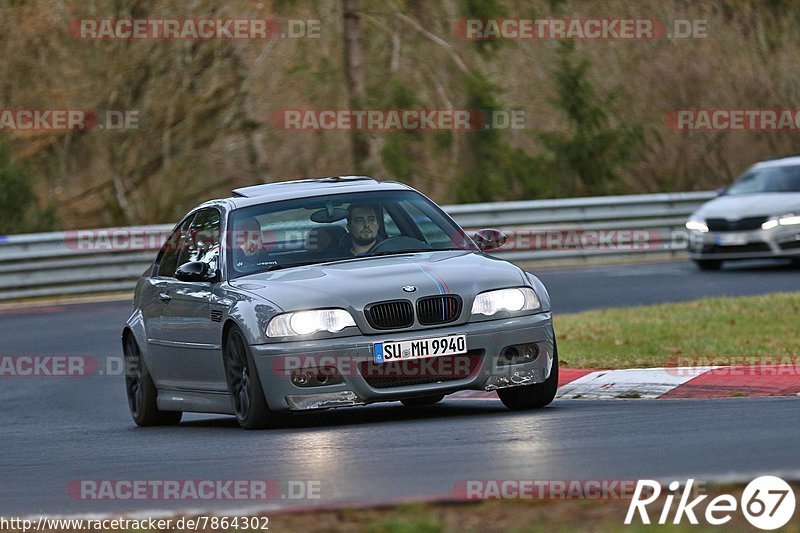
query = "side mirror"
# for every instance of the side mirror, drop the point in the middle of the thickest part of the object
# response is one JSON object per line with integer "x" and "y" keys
{"x": 721, "y": 191}
{"x": 489, "y": 239}
{"x": 195, "y": 271}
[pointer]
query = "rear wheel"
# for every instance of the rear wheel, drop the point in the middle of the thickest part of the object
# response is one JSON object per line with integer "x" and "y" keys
{"x": 708, "y": 264}
{"x": 423, "y": 401}
{"x": 141, "y": 390}
{"x": 532, "y": 396}
{"x": 244, "y": 385}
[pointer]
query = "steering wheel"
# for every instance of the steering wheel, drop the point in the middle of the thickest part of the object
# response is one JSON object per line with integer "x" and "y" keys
{"x": 399, "y": 244}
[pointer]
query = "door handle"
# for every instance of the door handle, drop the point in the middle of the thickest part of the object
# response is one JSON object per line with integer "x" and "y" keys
{"x": 164, "y": 297}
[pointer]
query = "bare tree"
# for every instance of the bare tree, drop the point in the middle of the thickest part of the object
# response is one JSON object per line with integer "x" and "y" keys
{"x": 354, "y": 73}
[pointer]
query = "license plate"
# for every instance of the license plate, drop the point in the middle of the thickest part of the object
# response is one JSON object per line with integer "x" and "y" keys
{"x": 419, "y": 349}
{"x": 731, "y": 239}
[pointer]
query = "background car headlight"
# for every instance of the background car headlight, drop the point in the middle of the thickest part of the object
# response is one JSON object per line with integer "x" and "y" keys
{"x": 789, "y": 219}
{"x": 492, "y": 302}
{"x": 697, "y": 224}
{"x": 308, "y": 322}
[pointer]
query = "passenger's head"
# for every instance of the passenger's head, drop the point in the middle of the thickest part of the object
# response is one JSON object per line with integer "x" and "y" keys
{"x": 362, "y": 223}
{"x": 248, "y": 236}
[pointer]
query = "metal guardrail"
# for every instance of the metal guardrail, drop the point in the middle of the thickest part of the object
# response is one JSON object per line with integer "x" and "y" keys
{"x": 78, "y": 262}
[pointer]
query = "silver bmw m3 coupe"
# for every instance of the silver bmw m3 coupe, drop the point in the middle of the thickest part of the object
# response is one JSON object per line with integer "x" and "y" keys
{"x": 756, "y": 217}
{"x": 331, "y": 292}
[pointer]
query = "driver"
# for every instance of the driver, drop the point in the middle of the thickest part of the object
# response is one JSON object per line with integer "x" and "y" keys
{"x": 362, "y": 223}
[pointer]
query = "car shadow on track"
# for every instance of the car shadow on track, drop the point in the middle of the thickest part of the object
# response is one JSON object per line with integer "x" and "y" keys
{"x": 759, "y": 265}
{"x": 384, "y": 413}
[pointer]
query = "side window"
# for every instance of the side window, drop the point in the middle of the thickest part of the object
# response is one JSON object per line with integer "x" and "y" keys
{"x": 168, "y": 256}
{"x": 202, "y": 240}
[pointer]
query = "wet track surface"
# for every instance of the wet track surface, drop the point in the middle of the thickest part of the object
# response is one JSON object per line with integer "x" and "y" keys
{"x": 58, "y": 430}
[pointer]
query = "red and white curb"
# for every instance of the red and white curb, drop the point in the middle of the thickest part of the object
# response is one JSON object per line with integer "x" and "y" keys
{"x": 673, "y": 382}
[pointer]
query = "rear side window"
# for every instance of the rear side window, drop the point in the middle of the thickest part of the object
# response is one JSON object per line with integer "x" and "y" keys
{"x": 167, "y": 260}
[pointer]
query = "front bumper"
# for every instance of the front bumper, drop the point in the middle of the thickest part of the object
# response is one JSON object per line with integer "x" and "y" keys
{"x": 782, "y": 241}
{"x": 357, "y": 382}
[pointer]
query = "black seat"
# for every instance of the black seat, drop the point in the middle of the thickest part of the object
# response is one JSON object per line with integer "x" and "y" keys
{"x": 322, "y": 241}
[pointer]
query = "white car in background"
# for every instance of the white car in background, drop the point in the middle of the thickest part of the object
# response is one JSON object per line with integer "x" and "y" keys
{"x": 756, "y": 217}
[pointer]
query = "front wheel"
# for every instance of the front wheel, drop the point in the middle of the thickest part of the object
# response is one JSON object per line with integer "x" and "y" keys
{"x": 244, "y": 385}
{"x": 141, "y": 390}
{"x": 532, "y": 396}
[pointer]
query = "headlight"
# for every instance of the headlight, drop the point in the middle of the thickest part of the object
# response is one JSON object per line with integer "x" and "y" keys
{"x": 308, "y": 322}
{"x": 697, "y": 224}
{"x": 492, "y": 302}
{"x": 789, "y": 219}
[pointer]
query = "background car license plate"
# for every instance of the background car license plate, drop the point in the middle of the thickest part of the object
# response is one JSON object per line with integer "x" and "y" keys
{"x": 731, "y": 239}
{"x": 420, "y": 348}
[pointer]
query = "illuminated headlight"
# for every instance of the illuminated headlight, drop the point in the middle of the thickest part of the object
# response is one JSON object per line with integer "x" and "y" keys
{"x": 308, "y": 322}
{"x": 492, "y": 302}
{"x": 697, "y": 224}
{"x": 789, "y": 219}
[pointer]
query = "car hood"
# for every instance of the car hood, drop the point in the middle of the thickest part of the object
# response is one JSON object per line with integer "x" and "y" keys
{"x": 751, "y": 205}
{"x": 355, "y": 283}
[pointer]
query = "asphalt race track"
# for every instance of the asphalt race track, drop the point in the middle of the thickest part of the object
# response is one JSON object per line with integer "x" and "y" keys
{"x": 58, "y": 430}
{"x": 581, "y": 289}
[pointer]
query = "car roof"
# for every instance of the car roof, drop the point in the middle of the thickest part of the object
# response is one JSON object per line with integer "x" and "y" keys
{"x": 288, "y": 190}
{"x": 785, "y": 161}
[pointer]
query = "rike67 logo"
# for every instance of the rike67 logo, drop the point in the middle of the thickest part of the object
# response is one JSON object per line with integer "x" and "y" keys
{"x": 767, "y": 502}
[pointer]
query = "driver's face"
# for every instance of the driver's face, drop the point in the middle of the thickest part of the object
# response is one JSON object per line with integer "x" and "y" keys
{"x": 363, "y": 225}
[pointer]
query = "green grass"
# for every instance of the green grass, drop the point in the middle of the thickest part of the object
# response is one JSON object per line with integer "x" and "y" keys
{"x": 723, "y": 330}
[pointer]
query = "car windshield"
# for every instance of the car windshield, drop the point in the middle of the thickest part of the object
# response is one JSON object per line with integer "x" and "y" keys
{"x": 337, "y": 227}
{"x": 771, "y": 179}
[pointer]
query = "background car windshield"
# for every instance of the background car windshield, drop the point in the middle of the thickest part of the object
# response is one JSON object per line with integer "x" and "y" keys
{"x": 772, "y": 179}
{"x": 315, "y": 230}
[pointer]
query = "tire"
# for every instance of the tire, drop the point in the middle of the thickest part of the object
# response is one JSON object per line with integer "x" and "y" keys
{"x": 423, "y": 401}
{"x": 141, "y": 391}
{"x": 708, "y": 264}
{"x": 244, "y": 385}
{"x": 532, "y": 396}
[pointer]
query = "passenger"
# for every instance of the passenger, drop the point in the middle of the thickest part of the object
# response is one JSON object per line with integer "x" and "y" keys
{"x": 249, "y": 254}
